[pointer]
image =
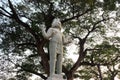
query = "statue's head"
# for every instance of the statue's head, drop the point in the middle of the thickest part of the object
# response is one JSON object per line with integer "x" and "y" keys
{"x": 56, "y": 23}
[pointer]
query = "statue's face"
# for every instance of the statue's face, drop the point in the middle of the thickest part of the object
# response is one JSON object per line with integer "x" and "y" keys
{"x": 56, "y": 23}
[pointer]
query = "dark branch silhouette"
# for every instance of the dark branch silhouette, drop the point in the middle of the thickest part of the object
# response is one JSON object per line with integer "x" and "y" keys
{"x": 22, "y": 44}
{"x": 76, "y": 16}
{"x": 28, "y": 70}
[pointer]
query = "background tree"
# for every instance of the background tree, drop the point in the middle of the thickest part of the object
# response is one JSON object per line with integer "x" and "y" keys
{"x": 88, "y": 21}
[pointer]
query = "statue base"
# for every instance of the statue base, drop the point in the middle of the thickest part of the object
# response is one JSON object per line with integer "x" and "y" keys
{"x": 56, "y": 77}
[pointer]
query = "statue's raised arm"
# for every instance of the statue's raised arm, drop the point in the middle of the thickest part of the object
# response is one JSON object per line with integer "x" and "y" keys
{"x": 66, "y": 40}
{"x": 47, "y": 34}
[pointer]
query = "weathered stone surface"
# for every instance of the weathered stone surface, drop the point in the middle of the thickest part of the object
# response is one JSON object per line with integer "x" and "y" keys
{"x": 56, "y": 77}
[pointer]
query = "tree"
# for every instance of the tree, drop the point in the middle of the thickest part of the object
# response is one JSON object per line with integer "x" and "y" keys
{"x": 87, "y": 21}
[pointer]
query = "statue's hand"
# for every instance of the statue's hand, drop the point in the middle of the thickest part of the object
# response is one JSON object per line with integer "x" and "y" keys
{"x": 42, "y": 27}
{"x": 69, "y": 39}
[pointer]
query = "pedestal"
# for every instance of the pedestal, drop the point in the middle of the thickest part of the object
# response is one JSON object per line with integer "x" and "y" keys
{"x": 56, "y": 77}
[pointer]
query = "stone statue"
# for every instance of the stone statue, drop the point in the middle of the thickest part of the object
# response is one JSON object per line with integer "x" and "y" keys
{"x": 56, "y": 41}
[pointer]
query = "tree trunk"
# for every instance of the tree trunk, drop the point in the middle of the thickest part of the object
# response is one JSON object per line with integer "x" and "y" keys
{"x": 69, "y": 76}
{"x": 43, "y": 55}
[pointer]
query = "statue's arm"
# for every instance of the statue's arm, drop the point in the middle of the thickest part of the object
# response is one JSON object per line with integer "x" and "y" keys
{"x": 66, "y": 40}
{"x": 47, "y": 34}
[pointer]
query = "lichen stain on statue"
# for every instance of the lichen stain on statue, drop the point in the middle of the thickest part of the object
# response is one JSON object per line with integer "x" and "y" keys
{"x": 56, "y": 41}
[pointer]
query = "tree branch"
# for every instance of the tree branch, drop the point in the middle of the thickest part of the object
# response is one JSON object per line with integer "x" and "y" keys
{"x": 14, "y": 15}
{"x": 75, "y": 36}
{"x": 94, "y": 27}
{"x": 39, "y": 43}
{"x": 93, "y": 64}
{"x": 33, "y": 72}
{"x": 5, "y": 14}
{"x": 78, "y": 15}
{"x": 5, "y": 10}
{"x": 28, "y": 70}
{"x": 99, "y": 70}
{"x": 92, "y": 49}
{"x": 16, "y": 18}
{"x": 33, "y": 55}
{"x": 115, "y": 59}
{"x": 22, "y": 44}
{"x": 82, "y": 52}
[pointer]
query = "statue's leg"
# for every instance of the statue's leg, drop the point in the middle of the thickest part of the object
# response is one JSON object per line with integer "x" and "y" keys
{"x": 59, "y": 63}
{"x": 52, "y": 50}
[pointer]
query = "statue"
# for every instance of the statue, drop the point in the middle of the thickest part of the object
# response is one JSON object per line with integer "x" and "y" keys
{"x": 56, "y": 41}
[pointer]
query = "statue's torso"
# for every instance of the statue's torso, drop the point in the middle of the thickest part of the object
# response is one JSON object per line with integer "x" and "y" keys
{"x": 57, "y": 35}
{"x": 56, "y": 41}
